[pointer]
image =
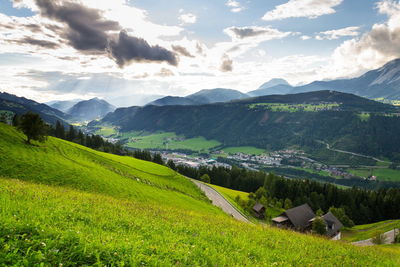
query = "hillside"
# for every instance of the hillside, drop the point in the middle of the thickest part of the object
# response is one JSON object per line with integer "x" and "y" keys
{"x": 216, "y": 95}
{"x": 173, "y": 100}
{"x": 63, "y": 106}
{"x": 277, "y": 122}
{"x": 87, "y": 110}
{"x": 21, "y": 105}
{"x": 67, "y": 204}
{"x": 272, "y": 87}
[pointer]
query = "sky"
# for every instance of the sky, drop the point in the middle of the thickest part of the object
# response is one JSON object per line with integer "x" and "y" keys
{"x": 126, "y": 51}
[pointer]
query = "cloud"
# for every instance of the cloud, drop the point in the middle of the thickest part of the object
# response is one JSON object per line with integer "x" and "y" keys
{"x": 235, "y": 6}
{"x": 188, "y": 18}
{"x": 227, "y": 64}
{"x": 89, "y": 32}
{"x": 336, "y": 34}
{"x": 302, "y": 8}
{"x": 128, "y": 48}
{"x": 374, "y": 48}
{"x": 181, "y": 50}
{"x": 264, "y": 33}
{"x": 36, "y": 42}
{"x": 305, "y": 37}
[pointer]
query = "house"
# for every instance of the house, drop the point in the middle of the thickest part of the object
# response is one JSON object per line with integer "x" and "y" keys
{"x": 259, "y": 211}
{"x": 301, "y": 218}
{"x": 297, "y": 218}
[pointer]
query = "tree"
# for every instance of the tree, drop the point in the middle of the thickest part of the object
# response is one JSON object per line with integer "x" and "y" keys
{"x": 205, "y": 178}
{"x": 158, "y": 159}
{"x": 71, "y": 135}
{"x": 319, "y": 226}
{"x": 319, "y": 212}
{"x": 33, "y": 127}
{"x": 16, "y": 120}
{"x": 288, "y": 204}
{"x": 59, "y": 131}
{"x": 3, "y": 118}
{"x": 341, "y": 215}
{"x": 171, "y": 164}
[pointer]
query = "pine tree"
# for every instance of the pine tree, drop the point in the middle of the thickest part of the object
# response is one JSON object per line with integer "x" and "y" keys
{"x": 33, "y": 127}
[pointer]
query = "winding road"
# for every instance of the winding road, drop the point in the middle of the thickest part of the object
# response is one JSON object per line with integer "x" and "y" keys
{"x": 220, "y": 201}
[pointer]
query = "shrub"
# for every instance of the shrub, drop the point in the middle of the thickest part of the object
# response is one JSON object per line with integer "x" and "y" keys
{"x": 379, "y": 238}
{"x": 318, "y": 226}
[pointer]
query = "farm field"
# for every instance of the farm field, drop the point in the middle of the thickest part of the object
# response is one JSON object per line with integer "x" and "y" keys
{"x": 280, "y": 107}
{"x": 250, "y": 150}
{"x": 106, "y": 131}
{"x": 64, "y": 204}
{"x": 366, "y": 231}
{"x": 164, "y": 140}
{"x": 382, "y": 174}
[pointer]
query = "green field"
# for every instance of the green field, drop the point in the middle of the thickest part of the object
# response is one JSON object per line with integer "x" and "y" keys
{"x": 169, "y": 141}
{"x": 250, "y": 150}
{"x": 106, "y": 131}
{"x": 382, "y": 174}
{"x": 366, "y": 231}
{"x": 62, "y": 204}
{"x": 280, "y": 107}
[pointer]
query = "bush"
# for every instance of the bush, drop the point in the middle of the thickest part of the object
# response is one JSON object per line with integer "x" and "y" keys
{"x": 379, "y": 238}
{"x": 205, "y": 178}
{"x": 319, "y": 226}
{"x": 397, "y": 238}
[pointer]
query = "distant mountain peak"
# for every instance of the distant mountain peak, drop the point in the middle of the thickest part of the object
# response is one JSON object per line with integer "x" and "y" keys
{"x": 273, "y": 82}
{"x": 91, "y": 109}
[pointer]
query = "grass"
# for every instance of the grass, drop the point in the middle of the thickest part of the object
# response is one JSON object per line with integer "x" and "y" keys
{"x": 168, "y": 141}
{"x": 106, "y": 131}
{"x": 364, "y": 116}
{"x": 280, "y": 107}
{"x": 61, "y": 203}
{"x": 250, "y": 150}
{"x": 382, "y": 174}
{"x": 366, "y": 231}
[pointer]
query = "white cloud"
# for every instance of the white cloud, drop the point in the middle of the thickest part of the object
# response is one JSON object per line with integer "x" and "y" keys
{"x": 336, "y": 34}
{"x": 305, "y": 37}
{"x": 188, "y": 18}
{"x": 235, "y": 6}
{"x": 373, "y": 49}
{"x": 302, "y": 8}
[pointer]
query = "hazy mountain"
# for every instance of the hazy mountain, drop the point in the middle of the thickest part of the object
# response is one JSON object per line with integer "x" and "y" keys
{"x": 91, "y": 109}
{"x": 207, "y": 96}
{"x": 380, "y": 83}
{"x": 21, "y": 105}
{"x": 273, "y": 87}
{"x": 63, "y": 106}
{"x": 173, "y": 100}
{"x": 132, "y": 100}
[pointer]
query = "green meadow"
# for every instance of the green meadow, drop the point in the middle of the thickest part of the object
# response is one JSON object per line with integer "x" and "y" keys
{"x": 167, "y": 140}
{"x": 280, "y": 107}
{"x": 62, "y": 204}
{"x": 382, "y": 174}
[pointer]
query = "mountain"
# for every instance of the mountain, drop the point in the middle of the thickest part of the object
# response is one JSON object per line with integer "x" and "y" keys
{"x": 64, "y": 105}
{"x": 132, "y": 100}
{"x": 380, "y": 83}
{"x": 173, "y": 100}
{"x": 272, "y": 87}
{"x": 207, "y": 96}
{"x": 21, "y": 105}
{"x": 277, "y": 122}
{"x": 67, "y": 203}
{"x": 90, "y": 109}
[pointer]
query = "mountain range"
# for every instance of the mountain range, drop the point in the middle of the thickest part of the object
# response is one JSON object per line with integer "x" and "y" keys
{"x": 92, "y": 109}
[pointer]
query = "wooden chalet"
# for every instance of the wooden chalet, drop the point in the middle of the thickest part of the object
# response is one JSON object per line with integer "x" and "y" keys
{"x": 300, "y": 219}
{"x": 259, "y": 211}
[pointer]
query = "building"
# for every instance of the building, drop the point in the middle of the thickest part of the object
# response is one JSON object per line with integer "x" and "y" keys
{"x": 259, "y": 211}
{"x": 300, "y": 219}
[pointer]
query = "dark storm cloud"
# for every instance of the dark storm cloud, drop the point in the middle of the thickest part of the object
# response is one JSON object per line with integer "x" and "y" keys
{"x": 181, "y": 50}
{"x": 89, "y": 32}
{"x": 128, "y": 48}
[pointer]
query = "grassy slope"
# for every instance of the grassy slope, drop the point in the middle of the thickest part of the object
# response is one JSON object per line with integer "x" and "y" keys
{"x": 244, "y": 149}
{"x": 381, "y": 174}
{"x": 63, "y": 203}
{"x": 366, "y": 231}
{"x": 160, "y": 141}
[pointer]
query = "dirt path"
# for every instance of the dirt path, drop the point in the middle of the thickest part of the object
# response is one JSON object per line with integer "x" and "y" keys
{"x": 389, "y": 239}
{"x": 220, "y": 201}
